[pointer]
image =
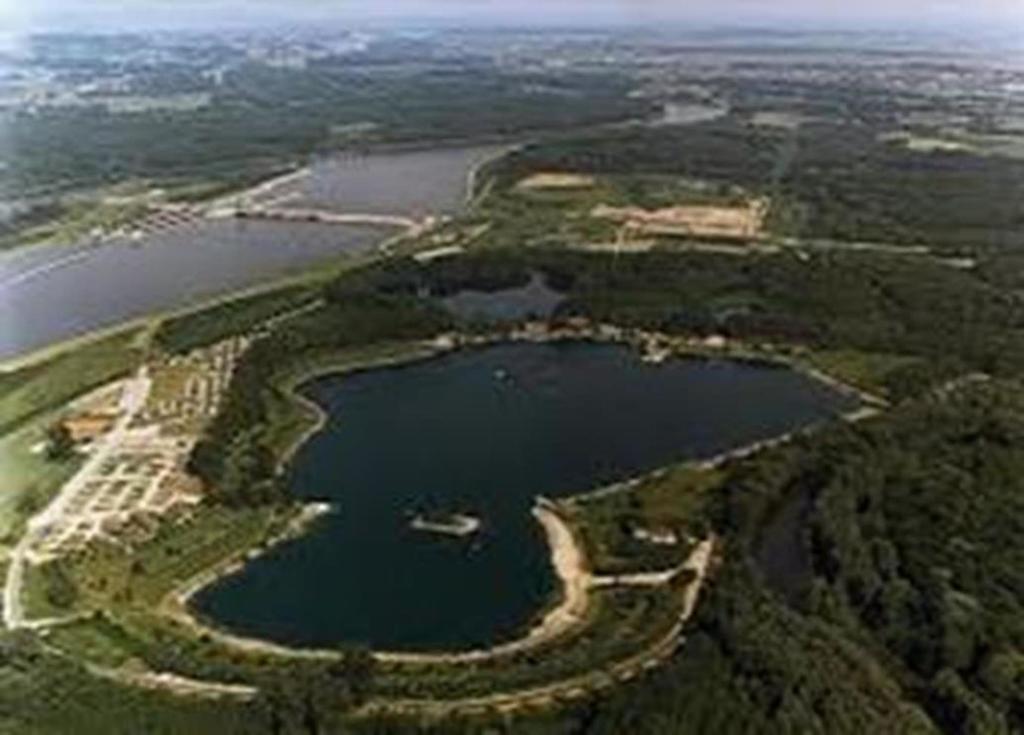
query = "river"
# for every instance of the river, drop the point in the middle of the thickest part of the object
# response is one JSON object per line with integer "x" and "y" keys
{"x": 49, "y": 294}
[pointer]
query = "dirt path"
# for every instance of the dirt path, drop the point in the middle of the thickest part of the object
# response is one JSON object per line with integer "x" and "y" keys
{"x": 161, "y": 681}
{"x": 175, "y": 684}
{"x": 576, "y": 687}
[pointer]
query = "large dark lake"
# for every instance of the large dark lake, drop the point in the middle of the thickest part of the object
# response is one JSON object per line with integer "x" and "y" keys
{"x": 482, "y": 431}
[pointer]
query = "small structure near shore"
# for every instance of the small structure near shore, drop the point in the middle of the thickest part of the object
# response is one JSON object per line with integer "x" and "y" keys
{"x": 448, "y": 524}
{"x": 87, "y": 427}
{"x": 656, "y": 536}
{"x": 655, "y": 352}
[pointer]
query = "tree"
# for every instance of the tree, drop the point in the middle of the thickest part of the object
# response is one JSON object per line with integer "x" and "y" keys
{"x": 59, "y": 443}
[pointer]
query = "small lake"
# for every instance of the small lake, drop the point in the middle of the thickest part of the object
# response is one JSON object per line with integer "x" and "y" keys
{"x": 52, "y": 293}
{"x": 482, "y": 431}
{"x": 535, "y": 300}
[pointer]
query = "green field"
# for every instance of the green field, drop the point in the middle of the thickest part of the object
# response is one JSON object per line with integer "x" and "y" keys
{"x": 29, "y": 478}
{"x": 876, "y": 373}
{"x": 52, "y": 383}
{"x": 672, "y": 499}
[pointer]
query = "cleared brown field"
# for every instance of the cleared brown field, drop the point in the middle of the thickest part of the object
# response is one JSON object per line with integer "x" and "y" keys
{"x": 555, "y": 180}
{"x": 728, "y": 222}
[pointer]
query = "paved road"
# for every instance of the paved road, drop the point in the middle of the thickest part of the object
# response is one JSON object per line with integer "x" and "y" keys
{"x": 133, "y": 398}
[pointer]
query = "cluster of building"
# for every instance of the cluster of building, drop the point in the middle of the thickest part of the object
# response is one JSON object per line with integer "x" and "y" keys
{"x": 132, "y": 488}
{"x": 655, "y": 347}
{"x": 187, "y": 389}
{"x": 131, "y": 480}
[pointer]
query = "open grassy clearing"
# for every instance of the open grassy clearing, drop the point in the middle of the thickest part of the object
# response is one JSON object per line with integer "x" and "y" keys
{"x": 527, "y": 213}
{"x": 669, "y": 501}
{"x": 44, "y": 386}
{"x": 873, "y": 372}
{"x": 28, "y": 479}
{"x": 113, "y": 576}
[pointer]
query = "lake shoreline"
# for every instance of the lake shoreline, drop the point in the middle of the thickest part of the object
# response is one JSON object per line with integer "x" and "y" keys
{"x": 566, "y": 557}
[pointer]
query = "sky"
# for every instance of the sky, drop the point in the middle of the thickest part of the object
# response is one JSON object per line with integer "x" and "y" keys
{"x": 18, "y": 15}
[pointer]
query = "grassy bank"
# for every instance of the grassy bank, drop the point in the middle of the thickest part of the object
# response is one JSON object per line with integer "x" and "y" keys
{"x": 53, "y": 383}
{"x": 669, "y": 502}
{"x": 30, "y": 478}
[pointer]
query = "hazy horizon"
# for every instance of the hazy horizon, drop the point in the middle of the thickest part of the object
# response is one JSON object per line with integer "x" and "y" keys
{"x": 906, "y": 15}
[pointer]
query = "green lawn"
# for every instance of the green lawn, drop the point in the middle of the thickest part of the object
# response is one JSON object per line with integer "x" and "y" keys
{"x": 27, "y": 478}
{"x": 868, "y": 371}
{"x": 110, "y": 576}
{"x": 77, "y": 221}
{"x": 47, "y": 385}
{"x": 671, "y": 499}
{"x": 95, "y": 639}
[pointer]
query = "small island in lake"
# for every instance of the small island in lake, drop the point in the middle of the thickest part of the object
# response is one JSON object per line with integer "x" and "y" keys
{"x": 450, "y": 524}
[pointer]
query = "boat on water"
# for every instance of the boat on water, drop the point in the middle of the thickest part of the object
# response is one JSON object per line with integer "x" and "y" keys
{"x": 449, "y": 524}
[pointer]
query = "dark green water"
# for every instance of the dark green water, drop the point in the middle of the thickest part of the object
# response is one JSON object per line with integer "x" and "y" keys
{"x": 447, "y": 434}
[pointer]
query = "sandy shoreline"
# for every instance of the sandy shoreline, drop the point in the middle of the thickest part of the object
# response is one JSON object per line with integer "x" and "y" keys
{"x": 567, "y": 559}
{"x": 176, "y": 605}
{"x": 570, "y": 568}
{"x": 699, "y": 563}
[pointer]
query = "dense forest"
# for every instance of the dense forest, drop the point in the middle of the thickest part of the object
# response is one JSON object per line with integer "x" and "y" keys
{"x": 871, "y": 582}
{"x": 833, "y": 179}
{"x": 261, "y": 116}
{"x": 725, "y": 151}
{"x": 892, "y": 605}
{"x": 950, "y": 320}
{"x": 850, "y": 184}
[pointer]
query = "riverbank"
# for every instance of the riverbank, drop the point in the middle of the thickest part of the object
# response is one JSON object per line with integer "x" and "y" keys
{"x": 473, "y": 195}
{"x": 320, "y": 274}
